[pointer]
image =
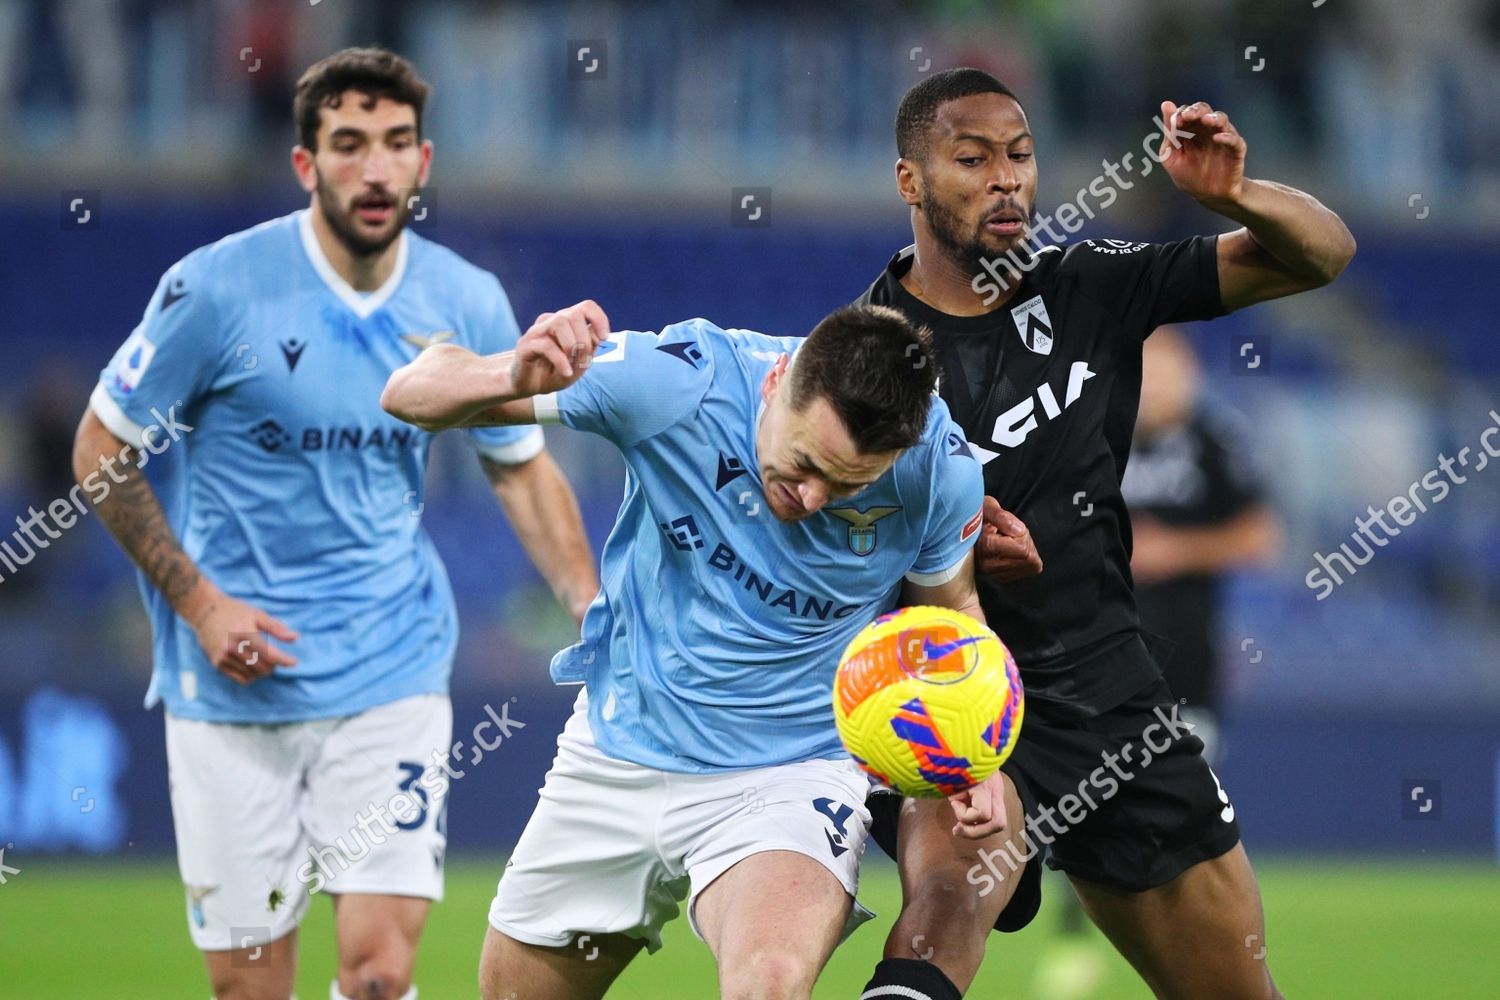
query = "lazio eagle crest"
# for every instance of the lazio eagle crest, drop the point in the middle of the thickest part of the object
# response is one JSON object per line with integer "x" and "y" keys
{"x": 861, "y": 525}
{"x": 422, "y": 341}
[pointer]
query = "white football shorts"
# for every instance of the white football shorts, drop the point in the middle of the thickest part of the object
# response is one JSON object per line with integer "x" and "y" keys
{"x": 614, "y": 847}
{"x": 266, "y": 815}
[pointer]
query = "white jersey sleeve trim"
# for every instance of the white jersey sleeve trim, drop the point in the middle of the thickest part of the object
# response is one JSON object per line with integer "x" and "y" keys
{"x": 547, "y": 410}
{"x": 939, "y": 578}
{"x": 515, "y": 452}
{"x": 114, "y": 418}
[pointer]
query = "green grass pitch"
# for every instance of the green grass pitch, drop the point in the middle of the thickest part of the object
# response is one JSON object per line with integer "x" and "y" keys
{"x": 1362, "y": 929}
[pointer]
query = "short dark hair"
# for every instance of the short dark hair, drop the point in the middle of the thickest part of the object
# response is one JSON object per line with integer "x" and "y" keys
{"x": 374, "y": 72}
{"x": 876, "y": 369}
{"x": 919, "y": 108}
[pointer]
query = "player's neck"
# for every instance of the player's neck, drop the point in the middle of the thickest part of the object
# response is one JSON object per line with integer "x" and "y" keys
{"x": 946, "y": 285}
{"x": 364, "y": 273}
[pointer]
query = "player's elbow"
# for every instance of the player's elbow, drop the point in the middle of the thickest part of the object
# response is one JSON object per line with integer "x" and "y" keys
{"x": 393, "y": 396}
{"x": 1338, "y": 255}
{"x": 402, "y": 398}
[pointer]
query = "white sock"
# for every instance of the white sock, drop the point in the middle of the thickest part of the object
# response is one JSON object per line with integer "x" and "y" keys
{"x": 334, "y": 994}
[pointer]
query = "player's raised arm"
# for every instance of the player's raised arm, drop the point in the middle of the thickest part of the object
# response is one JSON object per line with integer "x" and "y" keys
{"x": 1291, "y": 242}
{"x": 449, "y": 386}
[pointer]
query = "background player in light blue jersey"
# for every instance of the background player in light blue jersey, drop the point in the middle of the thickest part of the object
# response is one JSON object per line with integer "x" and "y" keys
{"x": 780, "y": 494}
{"x": 283, "y": 502}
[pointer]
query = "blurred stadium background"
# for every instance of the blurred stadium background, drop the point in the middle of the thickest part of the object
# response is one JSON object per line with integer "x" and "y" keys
{"x": 1363, "y": 735}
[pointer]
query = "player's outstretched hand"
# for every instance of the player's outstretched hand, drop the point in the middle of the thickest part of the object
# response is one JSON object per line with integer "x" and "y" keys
{"x": 1005, "y": 550}
{"x": 980, "y": 811}
{"x": 233, "y": 635}
{"x": 558, "y": 349}
{"x": 1210, "y": 166}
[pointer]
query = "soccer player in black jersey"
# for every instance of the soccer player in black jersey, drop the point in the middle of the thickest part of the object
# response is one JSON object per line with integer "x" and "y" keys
{"x": 1040, "y": 361}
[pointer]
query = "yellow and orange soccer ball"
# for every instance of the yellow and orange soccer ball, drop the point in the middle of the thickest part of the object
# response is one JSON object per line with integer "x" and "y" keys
{"x": 928, "y": 701}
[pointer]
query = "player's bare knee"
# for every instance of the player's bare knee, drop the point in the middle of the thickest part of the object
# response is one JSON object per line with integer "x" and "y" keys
{"x": 943, "y": 900}
{"x": 767, "y": 974}
{"x": 232, "y": 979}
{"x": 378, "y": 978}
{"x": 241, "y": 987}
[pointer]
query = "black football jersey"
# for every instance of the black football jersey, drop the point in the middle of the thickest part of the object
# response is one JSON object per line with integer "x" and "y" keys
{"x": 1197, "y": 475}
{"x": 1046, "y": 388}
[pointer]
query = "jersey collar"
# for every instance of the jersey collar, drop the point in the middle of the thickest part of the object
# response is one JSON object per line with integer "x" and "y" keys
{"x": 360, "y": 303}
{"x": 888, "y": 290}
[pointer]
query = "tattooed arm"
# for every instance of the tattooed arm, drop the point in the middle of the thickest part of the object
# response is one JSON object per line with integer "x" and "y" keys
{"x": 230, "y": 631}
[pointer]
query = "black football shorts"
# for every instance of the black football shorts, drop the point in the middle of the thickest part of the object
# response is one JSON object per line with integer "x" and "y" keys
{"x": 1124, "y": 799}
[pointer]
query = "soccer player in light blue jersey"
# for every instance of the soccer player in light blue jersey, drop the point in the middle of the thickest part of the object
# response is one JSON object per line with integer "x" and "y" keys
{"x": 303, "y": 626}
{"x": 781, "y": 493}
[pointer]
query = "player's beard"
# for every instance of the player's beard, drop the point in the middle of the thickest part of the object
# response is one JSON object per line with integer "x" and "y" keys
{"x": 964, "y": 243}
{"x": 341, "y": 220}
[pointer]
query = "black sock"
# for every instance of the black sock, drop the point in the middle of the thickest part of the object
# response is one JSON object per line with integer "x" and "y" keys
{"x": 920, "y": 981}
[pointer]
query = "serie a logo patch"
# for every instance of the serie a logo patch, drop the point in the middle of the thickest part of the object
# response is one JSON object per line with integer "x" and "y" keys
{"x": 139, "y": 352}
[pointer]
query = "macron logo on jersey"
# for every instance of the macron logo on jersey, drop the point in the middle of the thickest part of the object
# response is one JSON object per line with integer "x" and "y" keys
{"x": 683, "y": 351}
{"x": 292, "y": 349}
{"x": 730, "y": 469}
{"x": 175, "y": 293}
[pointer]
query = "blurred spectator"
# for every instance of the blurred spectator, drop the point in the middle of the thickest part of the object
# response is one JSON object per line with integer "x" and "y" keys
{"x": 1197, "y": 512}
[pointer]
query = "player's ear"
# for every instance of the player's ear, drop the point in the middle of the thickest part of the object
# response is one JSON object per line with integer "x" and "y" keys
{"x": 302, "y": 166}
{"x": 909, "y": 181}
{"x": 426, "y": 167}
{"x": 773, "y": 378}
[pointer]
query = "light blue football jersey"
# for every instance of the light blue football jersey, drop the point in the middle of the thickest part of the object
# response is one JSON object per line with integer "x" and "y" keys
{"x": 715, "y": 638}
{"x": 293, "y": 490}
